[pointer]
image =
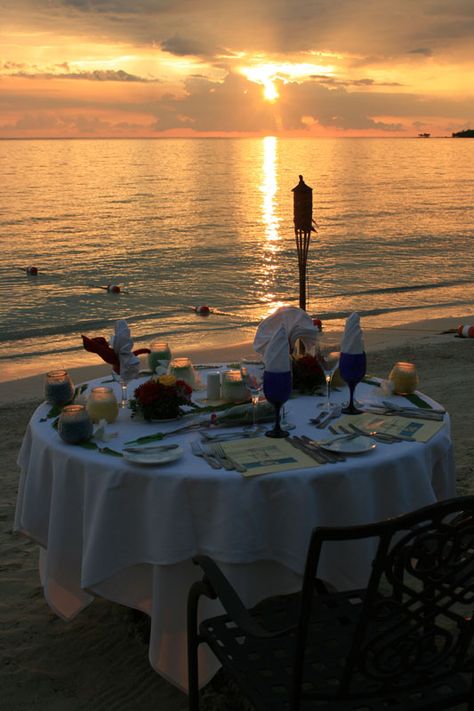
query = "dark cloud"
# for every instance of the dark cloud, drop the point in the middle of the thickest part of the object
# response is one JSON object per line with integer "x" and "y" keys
{"x": 182, "y": 46}
{"x": 425, "y": 51}
{"x": 96, "y": 75}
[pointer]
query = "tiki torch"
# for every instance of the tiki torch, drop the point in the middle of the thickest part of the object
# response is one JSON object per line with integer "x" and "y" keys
{"x": 303, "y": 219}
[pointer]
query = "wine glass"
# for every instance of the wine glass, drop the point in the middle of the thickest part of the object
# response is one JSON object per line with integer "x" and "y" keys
{"x": 277, "y": 390}
{"x": 252, "y": 369}
{"x": 328, "y": 358}
{"x": 352, "y": 367}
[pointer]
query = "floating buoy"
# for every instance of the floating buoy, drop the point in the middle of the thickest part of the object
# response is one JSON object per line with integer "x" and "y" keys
{"x": 318, "y": 323}
{"x": 202, "y": 310}
{"x": 32, "y": 271}
{"x": 465, "y": 331}
{"x": 113, "y": 289}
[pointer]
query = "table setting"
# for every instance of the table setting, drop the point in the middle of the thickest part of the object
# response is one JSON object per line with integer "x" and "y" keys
{"x": 121, "y": 503}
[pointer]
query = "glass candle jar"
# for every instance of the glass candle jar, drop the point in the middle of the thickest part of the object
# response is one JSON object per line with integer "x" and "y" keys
{"x": 233, "y": 388}
{"x": 102, "y": 405}
{"x": 74, "y": 424}
{"x": 159, "y": 356}
{"x": 58, "y": 388}
{"x": 182, "y": 369}
{"x": 404, "y": 378}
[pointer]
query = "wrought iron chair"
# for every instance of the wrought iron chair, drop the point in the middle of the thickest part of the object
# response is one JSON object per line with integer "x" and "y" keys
{"x": 405, "y": 642}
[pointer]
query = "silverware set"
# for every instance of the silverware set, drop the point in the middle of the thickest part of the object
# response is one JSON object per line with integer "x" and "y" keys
{"x": 313, "y": 449}
{"x": 415, "y": 413}
{"x": 215, "y": 456}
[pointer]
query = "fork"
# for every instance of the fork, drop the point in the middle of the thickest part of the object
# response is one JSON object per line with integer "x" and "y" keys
{"x": 198, "y": 451}
{"x": 228, "y": 462}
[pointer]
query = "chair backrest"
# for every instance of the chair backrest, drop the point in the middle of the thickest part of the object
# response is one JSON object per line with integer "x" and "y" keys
{"x": 417, "y": 612}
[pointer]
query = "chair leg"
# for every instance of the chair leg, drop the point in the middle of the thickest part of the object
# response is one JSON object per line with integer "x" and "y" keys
{"x": 193, "y": 643}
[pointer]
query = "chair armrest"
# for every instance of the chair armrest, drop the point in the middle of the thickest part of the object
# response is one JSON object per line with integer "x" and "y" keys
{"x": 215, "y": 580}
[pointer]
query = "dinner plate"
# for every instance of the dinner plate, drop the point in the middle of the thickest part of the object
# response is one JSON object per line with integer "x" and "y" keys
{"x": 154, "y": 458}
{"x": 357, "y": 445}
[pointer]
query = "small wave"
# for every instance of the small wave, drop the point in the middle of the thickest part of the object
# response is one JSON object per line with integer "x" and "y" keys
{"x": 400, "y": 289}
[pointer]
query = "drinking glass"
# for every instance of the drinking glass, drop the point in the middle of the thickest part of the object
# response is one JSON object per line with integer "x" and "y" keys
{"x": 328, "y": 358}
{"x": 252, "y": 370}
{"x": 352, "y": 367}
{"x": 277, "y": 390}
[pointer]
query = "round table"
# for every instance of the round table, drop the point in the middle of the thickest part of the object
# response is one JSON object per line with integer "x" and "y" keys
{"x": 127, "y": 532}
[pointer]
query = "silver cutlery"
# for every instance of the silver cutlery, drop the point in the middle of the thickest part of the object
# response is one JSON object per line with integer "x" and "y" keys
{"x": 329, "y": 456}
{"x": 227, "y": 436}
{"x": 228, "y": 462}
{"x": 312, "y": 449}
{"x": 152, "y": 448}
{"x": 383, "y": 437}
{"x": 198, "y": 451}
{"x": 316, "y": 455}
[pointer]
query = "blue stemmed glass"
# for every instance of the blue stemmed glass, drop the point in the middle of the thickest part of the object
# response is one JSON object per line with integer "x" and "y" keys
{"x": 277, "y": 390}
{"x": 352, "y": 367}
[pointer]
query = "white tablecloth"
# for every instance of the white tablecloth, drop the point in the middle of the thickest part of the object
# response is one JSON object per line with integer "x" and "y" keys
{"x": 127, "y": 532}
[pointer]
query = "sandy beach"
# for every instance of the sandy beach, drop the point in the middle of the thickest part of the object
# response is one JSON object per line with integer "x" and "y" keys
{"x": 99, "y": 660}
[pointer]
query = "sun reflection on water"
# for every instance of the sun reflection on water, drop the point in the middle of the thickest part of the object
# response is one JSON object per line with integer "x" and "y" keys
{"x": 269, "y": 187}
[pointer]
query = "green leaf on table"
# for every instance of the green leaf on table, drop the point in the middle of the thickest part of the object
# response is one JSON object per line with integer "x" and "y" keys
{"x": 147, "y": 438}
{"x": 369, "y": 380}
{"x": 112, "y": 452}
{"x": 88, "y": 444}
{"x": 55, "y": 411}
{"x": 418, "y": 401}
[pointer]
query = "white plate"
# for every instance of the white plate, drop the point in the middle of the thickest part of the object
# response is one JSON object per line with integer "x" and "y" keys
{"x": 154, "y": 458}
{"x": 358, "y": 445}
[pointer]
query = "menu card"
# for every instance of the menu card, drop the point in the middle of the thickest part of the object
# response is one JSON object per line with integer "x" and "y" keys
{"x": 420, "y": 430}
{"x": 262, "y": 455}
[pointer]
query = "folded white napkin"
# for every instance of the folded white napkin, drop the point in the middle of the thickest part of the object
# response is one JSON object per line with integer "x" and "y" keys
{"x": 277, "y": 352}
{"x": 352, "y": 340}
{"x": 296, "y": 322}
{"x": 122, "y": 344}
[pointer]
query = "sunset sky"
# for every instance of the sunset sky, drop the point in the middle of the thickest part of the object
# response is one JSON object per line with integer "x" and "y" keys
{"x": 116, "y": 68}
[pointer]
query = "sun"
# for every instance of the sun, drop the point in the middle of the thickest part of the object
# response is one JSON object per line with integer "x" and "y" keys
{"x": 270, "y": 92}
{"x": 267, "y": 74}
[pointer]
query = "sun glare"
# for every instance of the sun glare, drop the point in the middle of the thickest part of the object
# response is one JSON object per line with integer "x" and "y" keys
{"x": 267, "y": 74}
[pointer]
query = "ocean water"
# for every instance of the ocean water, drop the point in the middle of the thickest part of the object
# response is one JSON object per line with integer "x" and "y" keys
{"x": 179, "y": 223}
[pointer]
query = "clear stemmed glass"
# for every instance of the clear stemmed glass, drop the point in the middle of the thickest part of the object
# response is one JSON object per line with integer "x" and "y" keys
{"x": 328, "y": 354}
{"x": 252, "y": 369}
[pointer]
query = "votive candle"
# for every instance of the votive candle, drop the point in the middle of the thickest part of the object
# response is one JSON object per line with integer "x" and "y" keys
{"x": 58, "y": 387}
{"x": 74, "y": 424}
{"x": 102, "y": 404}
{"x": 404, "y": 378}
{"x": 159, "y": 356}
{"x": 233, "y": 388}
{"x": 182, "y": 369}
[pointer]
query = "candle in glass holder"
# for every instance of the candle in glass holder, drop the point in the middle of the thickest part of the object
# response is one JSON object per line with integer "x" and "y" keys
{"x": 233, "y": 388}
{"x": 182, "y": 369}
{"x": 74, "y": 424}
{"x": 404, "y": 378}
{"x": 159, "y": 356}
{"x": 58, "y": 388}
{"x": 213, "y": 386}
{"x": 102, "y": 404}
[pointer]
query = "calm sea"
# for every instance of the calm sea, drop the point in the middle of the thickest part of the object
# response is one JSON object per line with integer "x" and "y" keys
{"x": 179, "y": 223}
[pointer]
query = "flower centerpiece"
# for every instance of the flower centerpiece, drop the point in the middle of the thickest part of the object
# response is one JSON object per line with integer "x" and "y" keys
{"x": 161, "y": 398}
{"x": 307, "y": 373}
